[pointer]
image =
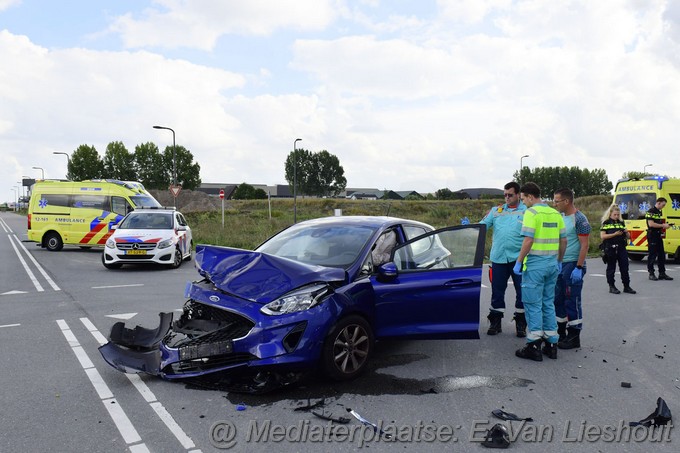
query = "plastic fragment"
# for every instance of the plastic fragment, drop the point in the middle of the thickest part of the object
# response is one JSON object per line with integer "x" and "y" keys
{"x": 241, "y": 406}
{"x": 498, "y": 413}
{"x": 661, "y": 416}
{"x": 625, "y": 385}
{"x": 330, "y": 417}
{"x": 367, "y": 423}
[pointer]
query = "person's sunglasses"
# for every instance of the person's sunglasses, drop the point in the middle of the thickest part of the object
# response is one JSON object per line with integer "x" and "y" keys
{"x": 506, "y": 195}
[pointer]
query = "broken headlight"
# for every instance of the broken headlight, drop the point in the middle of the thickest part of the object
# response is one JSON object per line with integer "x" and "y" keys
{"x": 299, "y": 300}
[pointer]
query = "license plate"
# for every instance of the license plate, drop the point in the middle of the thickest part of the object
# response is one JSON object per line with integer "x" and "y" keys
{"x": 135, "y": 252}
{"x": 206, "y": 350}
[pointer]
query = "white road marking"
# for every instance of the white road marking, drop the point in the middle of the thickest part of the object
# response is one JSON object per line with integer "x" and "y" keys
{"x": 116, "y": 412}
{"x": 118, "y": 286}
{"x": 13, "y": 292}
{"x": 40, "y": 268}
{"x": 124, "y": 316}
{"x": 35, "y": 281}
{"x": 148, "y": 395}
{"x": 10, "y": 325}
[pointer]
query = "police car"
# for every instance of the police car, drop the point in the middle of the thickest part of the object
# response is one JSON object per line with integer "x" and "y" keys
{"x": 149, "y": 235}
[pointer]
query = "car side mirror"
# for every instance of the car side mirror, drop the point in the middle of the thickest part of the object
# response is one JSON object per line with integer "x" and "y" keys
{"x": 181, "y": 228}
{"x": 387, "y": 272}
{"x": 114, "y": 227}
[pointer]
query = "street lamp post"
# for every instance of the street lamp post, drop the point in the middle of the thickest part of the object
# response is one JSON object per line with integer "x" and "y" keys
{"x": 295, "y": 179}
{"x": 174, "y": 164}
{"x": 15, "y": 197}
{"x": 41, "y": 169}
{"x": 68, "y": 160}
{"x": 644, "y": 169}
{"x": 521, "y": 166}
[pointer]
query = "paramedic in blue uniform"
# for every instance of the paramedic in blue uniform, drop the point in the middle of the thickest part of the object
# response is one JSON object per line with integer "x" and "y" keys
{"x": 506, "y": 221}
{"x": 570, "y": 281}
{"x": 656, "y": 227}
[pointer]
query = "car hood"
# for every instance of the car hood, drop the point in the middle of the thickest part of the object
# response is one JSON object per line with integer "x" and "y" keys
{"x": 256, "y": 276}
{"x": 142, "y": 235}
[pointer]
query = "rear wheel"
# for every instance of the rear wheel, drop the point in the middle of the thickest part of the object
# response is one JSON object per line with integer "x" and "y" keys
{"x": 347, "y": 349}
{"x": 177, "y": 259}
{"x": 53, "y": 242}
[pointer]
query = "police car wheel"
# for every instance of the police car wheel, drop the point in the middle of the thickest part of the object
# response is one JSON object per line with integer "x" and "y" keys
{"x": 177, "y": 259}
{"x": 110, "y": 265}
{"x": 53, "y": 242}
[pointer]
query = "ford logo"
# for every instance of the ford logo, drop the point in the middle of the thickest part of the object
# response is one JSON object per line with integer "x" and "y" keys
{"x": 214, "y": 298}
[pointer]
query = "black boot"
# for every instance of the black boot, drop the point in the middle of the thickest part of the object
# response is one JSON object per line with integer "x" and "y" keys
{"x": 495, "y": 318}
{"x": 614, "y": 290}
{"x": 665, "y": 276}
{"x": 627, "y": 289}
{"x": 531, "y": 351}
{"x": 550, "y": 349}
{"x": 520, "y": 324}
{"x": 562, "y": 331}
{"x": 572, "y": 341}
{"x": 652, "y": 276}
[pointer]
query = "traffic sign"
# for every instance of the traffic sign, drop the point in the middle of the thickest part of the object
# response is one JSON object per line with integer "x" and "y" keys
{"x": 222, "y": 194}
{"x": 174, "y": 190}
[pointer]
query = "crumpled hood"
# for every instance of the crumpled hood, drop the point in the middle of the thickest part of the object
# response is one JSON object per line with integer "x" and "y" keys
{"x": 257, "y": 276}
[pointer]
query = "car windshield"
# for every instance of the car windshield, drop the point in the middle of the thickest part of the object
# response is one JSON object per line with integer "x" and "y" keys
{"x": 323, "y": 245}
{"x": 145, "y": 201}
{"x": 147, "y": 221}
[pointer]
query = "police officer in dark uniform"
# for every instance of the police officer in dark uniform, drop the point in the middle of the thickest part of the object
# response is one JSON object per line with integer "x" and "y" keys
{"x": 614, "y": 239}
{"x": 656, "y": 226}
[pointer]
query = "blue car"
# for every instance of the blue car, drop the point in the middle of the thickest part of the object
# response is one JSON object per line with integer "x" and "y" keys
{"x": 319, "y": 293}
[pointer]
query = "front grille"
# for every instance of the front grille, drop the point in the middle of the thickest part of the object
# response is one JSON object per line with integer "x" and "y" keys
{"x": 190, "y": 366}
{"x": 140, "y": 245}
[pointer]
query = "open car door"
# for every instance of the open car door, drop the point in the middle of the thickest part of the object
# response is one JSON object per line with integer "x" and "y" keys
{"x": 432, "y": 285}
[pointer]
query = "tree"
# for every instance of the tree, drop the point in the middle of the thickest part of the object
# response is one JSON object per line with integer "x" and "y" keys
{"x": 119, "y": 163}
{"x": 150, "y": 167}
{"x": 188, "y": 172}
{"x": 444, "y": 194}
{"x": 247, "y": 192}
{"x": 85, "y": 164}
{"x": 317, "y": 174}
{"x": 582, "y": 182}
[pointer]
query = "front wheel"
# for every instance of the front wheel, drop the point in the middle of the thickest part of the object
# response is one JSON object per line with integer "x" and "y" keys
{"x": 177, "y": 259}
{"x": 110, "y": 265}
{"x": 53, "y": 242}
{"x": 348, "y": 348}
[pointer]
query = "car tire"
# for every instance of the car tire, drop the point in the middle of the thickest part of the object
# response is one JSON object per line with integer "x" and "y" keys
{"x": 347, "y": 348}
{"x": 177, "y": 259}
{"x": 53, "y": 241}
{"x": 110, "y": 265}
{"x": 191, "y": 248}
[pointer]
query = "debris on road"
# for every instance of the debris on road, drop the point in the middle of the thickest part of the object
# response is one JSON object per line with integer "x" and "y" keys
{"x": 661, "y": 416}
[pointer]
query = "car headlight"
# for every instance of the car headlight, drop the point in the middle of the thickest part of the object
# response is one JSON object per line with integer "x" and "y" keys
{"x": 299, "y": 300}
{"x": 165, "y": 244}
{"x": 110, "y": 243}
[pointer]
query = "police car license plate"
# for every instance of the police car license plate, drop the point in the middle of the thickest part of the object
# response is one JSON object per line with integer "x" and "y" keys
{"x": 135, "y": 252}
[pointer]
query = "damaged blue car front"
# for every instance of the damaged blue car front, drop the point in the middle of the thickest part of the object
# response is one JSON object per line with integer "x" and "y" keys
{"x": 318, "y": 293}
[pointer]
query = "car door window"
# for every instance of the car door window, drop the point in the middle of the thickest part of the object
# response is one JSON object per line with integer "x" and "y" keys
{"x": 442, "y": 249}
{"x": 120, "y": 205}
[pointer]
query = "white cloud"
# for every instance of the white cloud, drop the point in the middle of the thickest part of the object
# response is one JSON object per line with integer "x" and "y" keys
{"x": 6, "y": 4}
{"x": 200, "y": 23}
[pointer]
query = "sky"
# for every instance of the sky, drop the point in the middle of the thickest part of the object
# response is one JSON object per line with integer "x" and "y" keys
{"x": 409, "y": 95}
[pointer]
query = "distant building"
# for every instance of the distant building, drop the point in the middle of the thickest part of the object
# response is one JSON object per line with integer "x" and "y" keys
{"x": 477, "y": 193}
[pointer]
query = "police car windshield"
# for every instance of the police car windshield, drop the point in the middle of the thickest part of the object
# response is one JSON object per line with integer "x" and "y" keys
{"x": 145, "y": 201}
{"x": 147, "y": 221}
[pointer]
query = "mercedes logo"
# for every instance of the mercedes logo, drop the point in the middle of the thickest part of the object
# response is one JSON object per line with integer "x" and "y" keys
{"x": 135, "y": 246}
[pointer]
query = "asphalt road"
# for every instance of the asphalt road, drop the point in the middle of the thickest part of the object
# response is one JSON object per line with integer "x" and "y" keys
{"x": 59, "y": 395}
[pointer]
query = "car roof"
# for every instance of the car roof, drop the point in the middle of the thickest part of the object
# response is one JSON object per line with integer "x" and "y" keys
{"x": 362, "y": 220}
{"x": 153, "y": 211}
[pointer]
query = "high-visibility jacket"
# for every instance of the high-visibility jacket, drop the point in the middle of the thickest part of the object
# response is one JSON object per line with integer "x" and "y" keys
{"x": 546, "y": 226}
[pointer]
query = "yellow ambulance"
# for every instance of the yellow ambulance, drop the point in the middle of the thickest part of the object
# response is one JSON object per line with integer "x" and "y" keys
{"x": 635, "y": 197}
{"x": 81, "y": 213}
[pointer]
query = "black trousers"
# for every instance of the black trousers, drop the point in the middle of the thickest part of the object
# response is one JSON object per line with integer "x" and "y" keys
{"x": 617, "y": 254}
{"x": 656, "y": 253}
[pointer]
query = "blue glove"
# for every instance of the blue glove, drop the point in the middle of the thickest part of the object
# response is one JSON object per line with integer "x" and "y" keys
{"x": 576, "y": 275}
{"x": 517, "y": 269}
{"x": 559, "y": 267}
